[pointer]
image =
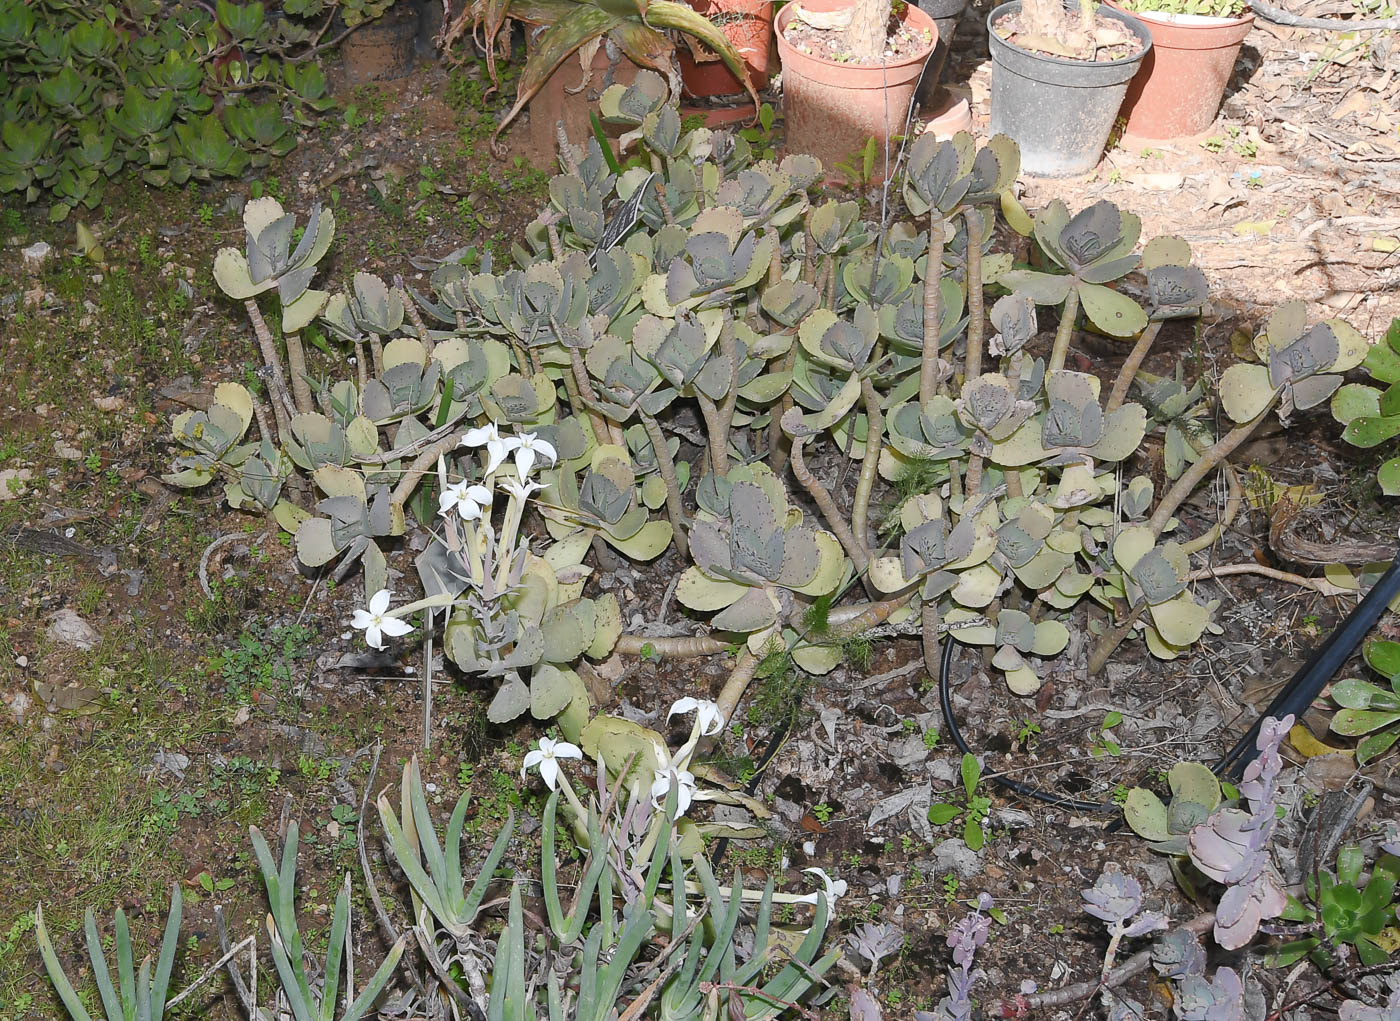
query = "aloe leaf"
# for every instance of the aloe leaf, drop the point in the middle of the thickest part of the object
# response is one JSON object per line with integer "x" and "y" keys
{"x": 62, "y": 986}
{"x": 166, "y": 962}
{"x": 427, "y": 837}
{"x": 100, "y": 973}
{"x": 126, "y": 974}
{"x": 335, "y": 949}
{"x": 562, "y": 38}
{"x": 293, "y": 984}
{"x": 488, "y": 867}
{"x": 453, "y": 839}
{"x": 143, "y": 991}
{"x": 405, "y": 855}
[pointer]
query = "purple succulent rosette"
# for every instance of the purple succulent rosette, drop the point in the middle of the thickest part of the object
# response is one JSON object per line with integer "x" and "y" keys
{"x": 1232, "y": 846}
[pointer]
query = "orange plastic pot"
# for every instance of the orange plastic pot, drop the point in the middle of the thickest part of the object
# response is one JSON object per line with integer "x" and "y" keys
{"x": 748, "y": 25}
{"x": 1177, "y": 91}
{"x": 831, "y": 110}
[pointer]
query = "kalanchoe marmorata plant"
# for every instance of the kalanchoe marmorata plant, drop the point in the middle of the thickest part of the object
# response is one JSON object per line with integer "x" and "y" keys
{"x": 695, "y": 284}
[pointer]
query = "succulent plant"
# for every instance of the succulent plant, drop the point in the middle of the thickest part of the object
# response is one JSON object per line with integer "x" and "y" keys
{"x": 1371, "y": 414}
{"x": 754, "y": 556}
{"x": 1093, "y": 247}
{"x": 1303, "y": 364}
{"x": 269, "y": 261}
{"x": 86, "y": 101}
{"x": 1195, "y": 795}
{"x": 1369, "y": 709}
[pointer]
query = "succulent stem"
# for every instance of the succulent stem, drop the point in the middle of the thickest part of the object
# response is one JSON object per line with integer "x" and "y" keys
{"x": 675, "y": 509}
{"x": 1232, "y": 508}
{"x": 716, "y": 435}
{"x": 281, "y": 402}
{"x": 296, "y": 365}
{"x": 933, "y": 272}
{"x": 736, "y": 683}
{"x": 1207, "y": 463}
{"x": 730, "y": 351}
{"x": 855, "y": 549}
{"x": 874, "y": 437}
{"x": 582, "y": 395}
{"x": 690, "y": 647}
{"x": 1129, "y": 371}
{"x": 361, "y": 370}
{"x": 975, "y": 327}
{"x": 411, "y": 308}
{"x": 376, "y": 348}
{"x": 421, "y": 465}
{"x": 1066, "y": 330}
{"x": 777, "y": 452}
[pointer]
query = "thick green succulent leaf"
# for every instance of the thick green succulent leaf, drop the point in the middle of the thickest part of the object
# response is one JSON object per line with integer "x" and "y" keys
{"x": 1389, "y": 477}
{"x": 1368, "y": 431}
{"x": 1111, "y": 311}
{"x": 1355, "y": 722}
{"x": 1245, "y": 391}
{"x": 1146, "y": 814}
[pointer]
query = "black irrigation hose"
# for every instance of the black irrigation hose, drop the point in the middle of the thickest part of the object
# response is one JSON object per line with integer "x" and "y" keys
{"x": 945, "y": 699}
{"x": 1294, "y": 698}
{"x": 1305, "y": 685}
{"x": 775, "y": 741}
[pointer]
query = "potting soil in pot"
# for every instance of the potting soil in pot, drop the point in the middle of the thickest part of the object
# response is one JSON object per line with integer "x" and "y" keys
{"x": 1011, "y": 28}
{"x": 830, "y": 44}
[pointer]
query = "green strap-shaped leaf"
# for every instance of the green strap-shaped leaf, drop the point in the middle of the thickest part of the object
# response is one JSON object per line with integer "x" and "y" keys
{"x": 126, "y": 974}
{"x": 110, "y": 1003}
{"x": 335, "y": 949}
{"x": 61, "y": 985}
{"x": 169, "y": 945}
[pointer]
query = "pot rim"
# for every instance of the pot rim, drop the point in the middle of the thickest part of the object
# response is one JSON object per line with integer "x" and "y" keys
{"x": 1128, "y": 19}
{"x": 1187, "y": 21}
{"x": 911, "y": 11}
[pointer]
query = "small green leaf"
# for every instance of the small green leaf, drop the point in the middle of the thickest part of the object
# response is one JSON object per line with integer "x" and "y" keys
{"x": 940, "y": 813}
{"x": 971, "y": 773}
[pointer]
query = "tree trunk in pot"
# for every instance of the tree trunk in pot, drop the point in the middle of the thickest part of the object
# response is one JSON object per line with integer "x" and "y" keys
{"x": 1047, "y": 22}
{"x": 865, "y": 36}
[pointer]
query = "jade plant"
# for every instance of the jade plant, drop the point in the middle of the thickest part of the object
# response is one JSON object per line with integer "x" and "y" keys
{"x": 163, "y": 92}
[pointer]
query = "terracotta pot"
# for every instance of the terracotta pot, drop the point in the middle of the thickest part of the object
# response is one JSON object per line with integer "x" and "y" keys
{"x": 1178, "y": 89}
{"x": 748, "y": 25}
{"x": 558, "y": 101}
{"x": 831, "y": 110}
{"x": 382, "y": 49}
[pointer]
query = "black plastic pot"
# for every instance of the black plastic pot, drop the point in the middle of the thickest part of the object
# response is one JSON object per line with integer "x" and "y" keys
{"x": 1060, "y": 112}
{"x": 945, "y": 14}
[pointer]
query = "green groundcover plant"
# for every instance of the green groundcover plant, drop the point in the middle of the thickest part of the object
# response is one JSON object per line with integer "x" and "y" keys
{"x": 168, "y": 92}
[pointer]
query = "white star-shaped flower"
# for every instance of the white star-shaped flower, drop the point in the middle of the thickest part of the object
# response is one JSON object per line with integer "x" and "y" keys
{"x": 685, "y": 788}
{"x": 521, "y": 488}
{"x": 708, "y": 715}
{"x": 497, "y": 446}
{"x": 834, "y": 889}
{"x": 528, "y": 446}
{"x": 546, "y": 758}
{"x": 469, "y": 501}
{"x": 376, "y": 622}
